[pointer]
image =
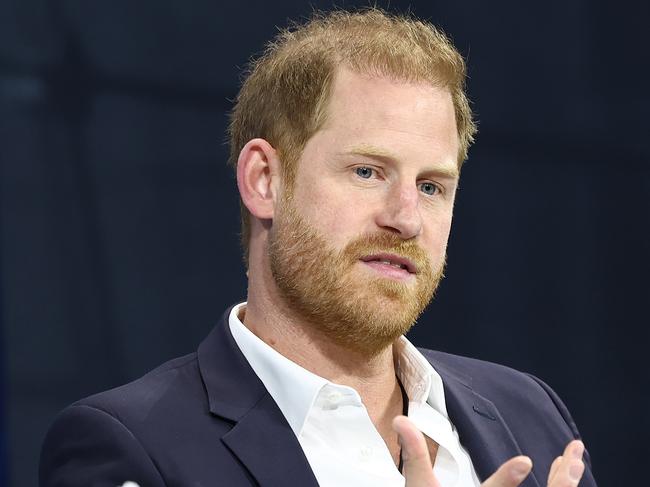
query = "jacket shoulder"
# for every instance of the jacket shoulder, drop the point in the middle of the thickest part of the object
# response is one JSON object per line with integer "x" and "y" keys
{"x": 484, "y": 377}
{"x": 520, "y": 397}
{"x": 150, "y": 430}
{"x": 168, "y": 386}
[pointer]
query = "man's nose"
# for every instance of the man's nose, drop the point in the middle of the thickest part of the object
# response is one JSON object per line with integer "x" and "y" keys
{"x": 401, "y": 212}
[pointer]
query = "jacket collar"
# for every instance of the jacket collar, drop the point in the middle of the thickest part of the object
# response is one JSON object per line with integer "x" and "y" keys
{"x": 261, "y": 438}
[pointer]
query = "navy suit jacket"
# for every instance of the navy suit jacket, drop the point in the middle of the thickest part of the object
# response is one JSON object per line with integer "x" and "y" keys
{"x": 206, "y": 420}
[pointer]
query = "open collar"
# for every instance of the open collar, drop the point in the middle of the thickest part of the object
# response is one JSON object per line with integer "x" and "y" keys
{"x": 263, "y": 441}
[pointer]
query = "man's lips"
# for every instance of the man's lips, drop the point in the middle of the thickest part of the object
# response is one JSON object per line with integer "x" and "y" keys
{"x": 392, "y": 260}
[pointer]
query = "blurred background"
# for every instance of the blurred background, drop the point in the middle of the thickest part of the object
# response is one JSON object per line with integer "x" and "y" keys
{"x": 119, "y": 218}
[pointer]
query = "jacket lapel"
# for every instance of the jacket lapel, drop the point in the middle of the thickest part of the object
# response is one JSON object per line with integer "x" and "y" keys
{"x": 264, "y": 442}
{"x": 261, "y": 438}
{"x": 481, "y": 429}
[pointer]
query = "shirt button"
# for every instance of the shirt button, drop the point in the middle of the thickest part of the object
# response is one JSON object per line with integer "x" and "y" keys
{"x": 334, "y": 397}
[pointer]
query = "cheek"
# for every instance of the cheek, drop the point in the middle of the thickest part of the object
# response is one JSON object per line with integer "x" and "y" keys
{"x": 437, "y": 235}
{"x": 342, "y": 222}
{"x": 318, "y": 207}
{"x": 338, "y": 212}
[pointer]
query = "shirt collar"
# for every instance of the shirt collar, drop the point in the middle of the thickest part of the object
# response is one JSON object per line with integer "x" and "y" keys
{"x": 295, "y": 389}
{"x": 420, "y": 380}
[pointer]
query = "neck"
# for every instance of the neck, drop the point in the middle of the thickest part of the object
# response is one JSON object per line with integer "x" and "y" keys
{"x": 295, "y": 338}
{"x": 373, "y": 377}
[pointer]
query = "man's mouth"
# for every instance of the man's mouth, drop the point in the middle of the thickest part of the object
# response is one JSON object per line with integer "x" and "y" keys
{"x": 391, "y": 260}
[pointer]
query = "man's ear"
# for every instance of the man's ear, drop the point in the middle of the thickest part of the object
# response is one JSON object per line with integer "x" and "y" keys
{"x": 258, "y": 173}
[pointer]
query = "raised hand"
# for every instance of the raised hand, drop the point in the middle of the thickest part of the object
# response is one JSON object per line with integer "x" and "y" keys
{"x": 566, "y": 470}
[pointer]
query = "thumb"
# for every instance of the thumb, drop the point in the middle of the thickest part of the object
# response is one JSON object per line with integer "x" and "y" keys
{"x": 415, "y": 454}
{"x": 511, "y": 473}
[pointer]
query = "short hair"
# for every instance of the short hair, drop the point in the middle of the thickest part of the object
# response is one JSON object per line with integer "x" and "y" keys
{"x": 285, "y": 92}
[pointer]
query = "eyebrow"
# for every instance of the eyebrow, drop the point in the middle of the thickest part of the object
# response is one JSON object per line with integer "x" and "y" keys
{"x": 375, "y": 152}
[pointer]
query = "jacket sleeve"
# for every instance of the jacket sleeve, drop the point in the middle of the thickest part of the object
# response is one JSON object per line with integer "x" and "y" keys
{"x": 89, "y": 447}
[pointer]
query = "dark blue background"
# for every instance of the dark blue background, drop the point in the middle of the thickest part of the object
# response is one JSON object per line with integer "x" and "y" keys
{"x": 119, "y": 244}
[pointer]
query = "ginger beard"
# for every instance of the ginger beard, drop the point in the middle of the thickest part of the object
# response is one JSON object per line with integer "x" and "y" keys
{"x": 329, "y": 290}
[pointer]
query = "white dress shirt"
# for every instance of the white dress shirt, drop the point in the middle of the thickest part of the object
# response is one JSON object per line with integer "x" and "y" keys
{"x": 332, "y": 425}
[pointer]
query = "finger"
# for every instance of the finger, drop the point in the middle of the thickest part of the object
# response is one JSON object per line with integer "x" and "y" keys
{"x": 570, "y": 468}
{"x": 511, "y": 473}
{"x": 554, "y": 468}
{"x": 415, "y": 454}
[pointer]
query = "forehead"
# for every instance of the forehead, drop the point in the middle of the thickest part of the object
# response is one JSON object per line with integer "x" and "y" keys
{"x": 393, "y": 114}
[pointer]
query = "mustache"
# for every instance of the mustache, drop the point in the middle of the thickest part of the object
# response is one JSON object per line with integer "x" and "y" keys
{"x": 389, "y": 243}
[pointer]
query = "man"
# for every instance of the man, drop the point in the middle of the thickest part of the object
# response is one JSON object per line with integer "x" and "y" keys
{"x": 347, "y": 138}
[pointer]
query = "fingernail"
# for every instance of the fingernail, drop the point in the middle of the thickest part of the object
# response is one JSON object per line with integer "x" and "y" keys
{"x": 575, "y": 471}
{"x": 578, "y": 450}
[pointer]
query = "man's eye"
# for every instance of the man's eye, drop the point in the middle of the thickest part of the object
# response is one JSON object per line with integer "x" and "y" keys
{"x": 364, "y": 172}
{"x": 429, "y": 188}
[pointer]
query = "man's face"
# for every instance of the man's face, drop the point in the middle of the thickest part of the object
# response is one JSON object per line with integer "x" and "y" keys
{"x": 358, "y": 244}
